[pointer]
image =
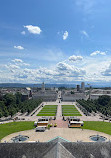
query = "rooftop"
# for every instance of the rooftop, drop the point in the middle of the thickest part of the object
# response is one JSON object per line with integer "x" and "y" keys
{"x": 56, "y": 150}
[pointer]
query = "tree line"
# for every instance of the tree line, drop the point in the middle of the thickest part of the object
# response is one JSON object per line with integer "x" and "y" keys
{"x": 102, "y": 104}
{"x": 11, "y": 104}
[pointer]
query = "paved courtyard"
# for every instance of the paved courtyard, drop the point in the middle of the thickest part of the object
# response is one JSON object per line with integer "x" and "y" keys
{"x": 60, "y": 123}
{"x": 70, "y": 134}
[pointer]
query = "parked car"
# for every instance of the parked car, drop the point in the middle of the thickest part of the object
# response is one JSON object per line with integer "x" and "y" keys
{"x": 40, "y": 129}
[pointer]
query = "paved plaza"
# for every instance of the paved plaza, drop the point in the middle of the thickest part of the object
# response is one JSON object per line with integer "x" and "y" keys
{"x": 70, "y": 134}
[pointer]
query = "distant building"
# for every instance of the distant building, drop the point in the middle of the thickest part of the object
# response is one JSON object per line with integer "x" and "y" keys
{"x": 30, "y": 94}
{"x": 25, "y": 96}
{"x": 67, "y": 96}
{"x": 47, "y": 95}
{"x": 96, "y": 93}
{"x": 43, "y": 87}
{"x": 82, "y": 86}
{"x": 78, "y": 88}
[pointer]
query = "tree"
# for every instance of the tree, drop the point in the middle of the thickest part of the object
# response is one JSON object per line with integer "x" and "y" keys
{"x": 12, "y": 104}
{"x": 18, "y": 97}
{"x": 103, "y": 100}
{"x": 12, "y": 111}
{"x": 6, "y": 113}
{"x": 1, "y": 115}
{"x": 9, "y": 99}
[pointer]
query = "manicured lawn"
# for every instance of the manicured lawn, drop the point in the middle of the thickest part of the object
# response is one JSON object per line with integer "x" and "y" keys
{"x": 48, "y": 110}
{"x": 46, "y": 114}
{"x": 72, "y": 114}
{"x": 70, "y": 110}
{"x": 100, "y": 126}
{"x": 8, "y": 128}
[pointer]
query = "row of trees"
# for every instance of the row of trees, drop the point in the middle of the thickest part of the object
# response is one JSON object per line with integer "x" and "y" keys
{"x": 102, "y": 104}
{"x": 11, "y": 104}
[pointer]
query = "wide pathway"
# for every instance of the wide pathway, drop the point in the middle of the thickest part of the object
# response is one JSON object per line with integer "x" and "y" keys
{"x": 59, "y": 112}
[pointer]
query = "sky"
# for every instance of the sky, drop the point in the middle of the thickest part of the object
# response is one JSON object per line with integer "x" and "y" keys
{"x": 55, "y": 41}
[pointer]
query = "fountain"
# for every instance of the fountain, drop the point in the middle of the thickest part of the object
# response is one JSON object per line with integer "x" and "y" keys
{"x": 98, "y": 138}
{"x": 19, "y": 138}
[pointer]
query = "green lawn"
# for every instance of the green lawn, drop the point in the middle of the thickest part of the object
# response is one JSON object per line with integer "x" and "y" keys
{"x": 8, "y": 128}
{"x": 100, "y": 126}
{"x": 70, "y": 110}
{"x": 71, "y": 114}
{"x": 46, "y": 114}
{"x": 48, "y": 110}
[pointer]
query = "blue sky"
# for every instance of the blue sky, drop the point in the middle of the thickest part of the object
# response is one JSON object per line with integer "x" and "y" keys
{"x": 55, "y": 41}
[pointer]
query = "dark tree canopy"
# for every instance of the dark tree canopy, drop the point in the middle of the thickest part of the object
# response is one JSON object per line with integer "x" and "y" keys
{"x": 102, "y": 104}
{"x": 103, "y": 100}
{"x": 11, "y": 104}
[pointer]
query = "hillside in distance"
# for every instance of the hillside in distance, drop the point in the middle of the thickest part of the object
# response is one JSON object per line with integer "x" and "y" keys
{"x": 21, "y": 85}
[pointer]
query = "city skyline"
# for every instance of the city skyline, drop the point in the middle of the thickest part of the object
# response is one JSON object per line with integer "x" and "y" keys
{"x": 55, "y": 41}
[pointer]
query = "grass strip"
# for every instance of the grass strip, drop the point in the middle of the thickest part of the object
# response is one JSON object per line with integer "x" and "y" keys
{"x": 9, "y": 128}
{"x": 100, "y": 126}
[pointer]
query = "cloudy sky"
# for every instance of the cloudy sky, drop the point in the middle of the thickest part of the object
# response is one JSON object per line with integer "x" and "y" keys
{"x": 55, "y": 41}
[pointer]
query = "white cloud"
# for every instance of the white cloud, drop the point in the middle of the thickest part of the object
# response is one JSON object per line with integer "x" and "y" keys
{"x": 33, "y": 29}
{"x": 62, "y": 72}
{"x": 23, "y": 32}
{"x": 63, "y": 66}
{"x": 17, "y": 60}
{"x": 65, "y": 35}
{"x": 19, "y": 47}
{"x": 26, "y": 64}
{"x": 90, "y": 69}
{"x": 11, "y": 66}
{"x": 95, "y": 68}
{"x": 69, "y": 70}
{"x": 83, "y": 32}
{"x": 20, "y": 62}
{"x": 75, "y": 58}
{"x": 97, "y": 53}
{"x": 107, "y": 71}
